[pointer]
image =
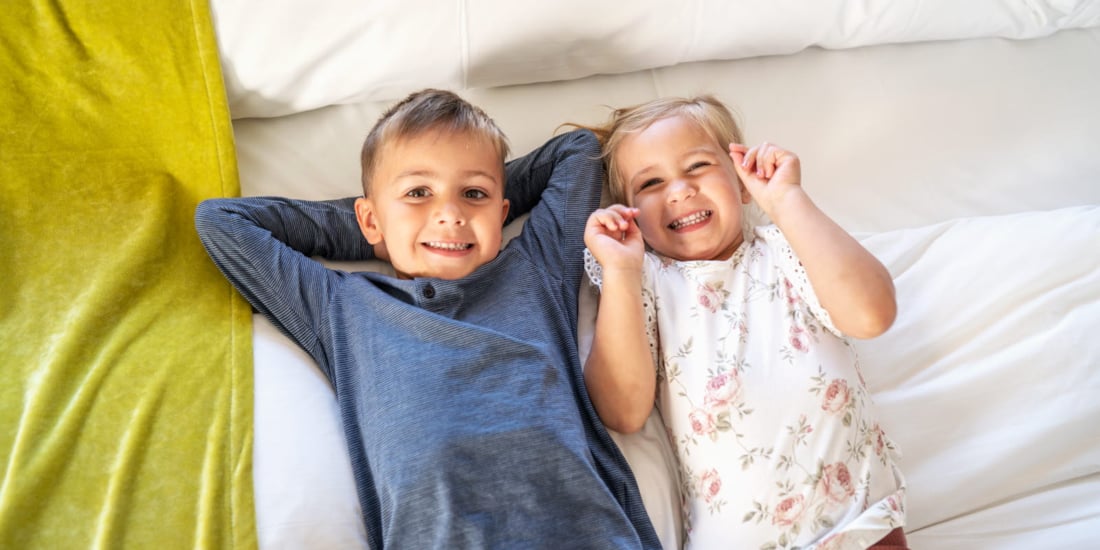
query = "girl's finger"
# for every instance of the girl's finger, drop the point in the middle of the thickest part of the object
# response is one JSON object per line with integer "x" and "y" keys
{"x": 781, "y": 155}
{"x": 773, "y": 160}
{"x": 764, "y": 166}
{"x": 750, "y": 159}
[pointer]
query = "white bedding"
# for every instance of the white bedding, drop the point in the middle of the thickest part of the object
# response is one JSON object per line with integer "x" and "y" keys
{"x": 296, "y": 56}
{"x": 969, "y": 165}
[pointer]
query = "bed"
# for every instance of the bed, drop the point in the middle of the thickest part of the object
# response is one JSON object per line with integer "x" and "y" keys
{"x": 960, "y": 142}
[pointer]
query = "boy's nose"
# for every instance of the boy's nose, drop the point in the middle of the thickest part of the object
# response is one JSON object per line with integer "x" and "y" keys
{"x": 450, "y": 214}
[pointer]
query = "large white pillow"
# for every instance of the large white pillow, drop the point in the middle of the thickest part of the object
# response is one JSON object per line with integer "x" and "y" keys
{"x": 286, "y": 56}
{"x": 989, "y": 381}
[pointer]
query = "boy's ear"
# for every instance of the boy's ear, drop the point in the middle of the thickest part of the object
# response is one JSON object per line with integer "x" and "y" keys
{"x": 368, "y": 221}
{"x": 504, "y": 211}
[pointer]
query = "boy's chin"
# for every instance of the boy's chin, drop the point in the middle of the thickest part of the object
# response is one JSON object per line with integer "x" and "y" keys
{"x": 445, "y": 273}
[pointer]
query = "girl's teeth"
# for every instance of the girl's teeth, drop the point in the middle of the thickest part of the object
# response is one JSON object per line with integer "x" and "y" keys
{"x": 692, "y": 219}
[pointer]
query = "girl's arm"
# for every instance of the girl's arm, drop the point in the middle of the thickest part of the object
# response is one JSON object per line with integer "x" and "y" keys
{"x": 850, "y": 283}
{"x": 619, "y": 372}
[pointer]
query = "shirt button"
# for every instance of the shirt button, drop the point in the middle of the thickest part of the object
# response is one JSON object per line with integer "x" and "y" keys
{"x": 429, "y": 291}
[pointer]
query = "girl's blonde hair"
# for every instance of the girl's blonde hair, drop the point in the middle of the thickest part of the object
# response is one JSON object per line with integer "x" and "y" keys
{"x": 712, "y": 116}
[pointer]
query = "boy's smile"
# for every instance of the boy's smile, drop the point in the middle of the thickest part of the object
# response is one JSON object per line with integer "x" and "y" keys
{"x": 436, "y": 204}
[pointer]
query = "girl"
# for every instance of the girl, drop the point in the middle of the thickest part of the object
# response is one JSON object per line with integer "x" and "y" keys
{"x": 739, "y": 336}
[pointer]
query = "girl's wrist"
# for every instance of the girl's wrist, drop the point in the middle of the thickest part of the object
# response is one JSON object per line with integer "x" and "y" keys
{"x": 793, "y": 204}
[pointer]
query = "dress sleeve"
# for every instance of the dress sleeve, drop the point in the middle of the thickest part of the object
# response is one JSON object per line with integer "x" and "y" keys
{"x": 649, "y": 304}
{"x": 794, "y": 275}
{"x": 263, "y": 246}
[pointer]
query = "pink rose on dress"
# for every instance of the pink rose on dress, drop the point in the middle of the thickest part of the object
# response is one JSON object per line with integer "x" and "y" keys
{"x": 836, "y": 396}
{"x": 800, "y": 339}
{"x": 792, "y": 296}
{"x": 709, "y": 485}
{"x": 836, "y": 482}
{"x": 789, "y": 510}
{"x": 702, "y": 422}
{"x": 709, "y": 297}
{"x": 723, "y": 389}
{"x": 880, "y": 439}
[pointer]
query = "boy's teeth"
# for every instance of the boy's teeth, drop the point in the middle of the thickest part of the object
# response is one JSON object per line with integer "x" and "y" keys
{"x": 449, "y": 246}
{"x": 689, "y": 220}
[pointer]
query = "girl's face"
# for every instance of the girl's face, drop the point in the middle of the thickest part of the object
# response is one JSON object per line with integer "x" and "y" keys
{"x": 686, "y": 190}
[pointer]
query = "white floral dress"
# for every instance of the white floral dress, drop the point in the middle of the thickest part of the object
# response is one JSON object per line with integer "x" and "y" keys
{"x": 765, "y": 405}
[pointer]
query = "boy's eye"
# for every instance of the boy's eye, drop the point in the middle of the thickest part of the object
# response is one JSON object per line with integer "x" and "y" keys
{"x": 476, "y": 194}
{"x": 418, "y": 193}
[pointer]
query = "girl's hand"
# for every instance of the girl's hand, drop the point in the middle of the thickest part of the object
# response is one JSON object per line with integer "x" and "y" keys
{"x": 614, "y": 239}
{"x": 768, "y": 172}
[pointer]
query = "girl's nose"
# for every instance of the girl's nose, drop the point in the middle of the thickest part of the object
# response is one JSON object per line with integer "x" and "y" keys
{"x": 680, "y": 190}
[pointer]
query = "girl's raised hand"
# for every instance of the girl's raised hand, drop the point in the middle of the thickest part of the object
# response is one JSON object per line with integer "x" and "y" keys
{"x": 768, "y": 172}
{"x": 614, "y": 239}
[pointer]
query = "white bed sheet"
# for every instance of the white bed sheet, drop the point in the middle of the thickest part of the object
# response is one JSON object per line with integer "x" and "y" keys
{"x": 892, "y": 137}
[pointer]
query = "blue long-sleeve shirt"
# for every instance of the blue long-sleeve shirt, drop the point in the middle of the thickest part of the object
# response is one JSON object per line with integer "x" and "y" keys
{"x": 463, "y": 401}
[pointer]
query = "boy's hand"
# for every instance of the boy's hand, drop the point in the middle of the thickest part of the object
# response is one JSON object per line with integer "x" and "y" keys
{"x": 768, "y": 172}
{"x": 614, "y": 239}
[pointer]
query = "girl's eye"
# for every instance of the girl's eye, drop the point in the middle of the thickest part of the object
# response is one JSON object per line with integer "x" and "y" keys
{"x": 649, "y": 183}
{"x": 476, "y": 194}
{"x": 417, "y": 193}
{"x": 697, "y": 165}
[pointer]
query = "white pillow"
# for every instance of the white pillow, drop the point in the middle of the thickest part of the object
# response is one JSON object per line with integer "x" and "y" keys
{"x": 285, "y": 56}
{"x": 988, "y": 381}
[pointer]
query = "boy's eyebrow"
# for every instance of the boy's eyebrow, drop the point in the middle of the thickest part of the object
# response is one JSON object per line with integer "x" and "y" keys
{"x": 430, "y": 174}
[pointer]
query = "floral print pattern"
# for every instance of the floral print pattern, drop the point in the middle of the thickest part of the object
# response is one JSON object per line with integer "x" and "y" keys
{"x": 775, "y": 432}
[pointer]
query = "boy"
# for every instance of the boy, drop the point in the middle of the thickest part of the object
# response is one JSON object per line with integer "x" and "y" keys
{"x": 458, "y": 380}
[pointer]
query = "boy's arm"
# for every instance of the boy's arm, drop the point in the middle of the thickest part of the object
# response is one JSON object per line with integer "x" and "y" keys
{"x": 619, "y": 372}
{"x": 850, "y": 283}
{"x": 262, "y": 245}
{"x": 559, "y": 183}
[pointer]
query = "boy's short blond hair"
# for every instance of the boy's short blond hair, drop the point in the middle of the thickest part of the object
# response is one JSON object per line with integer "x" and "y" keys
{"x": 423, "y": 111}
{"x": 712, "y": 116}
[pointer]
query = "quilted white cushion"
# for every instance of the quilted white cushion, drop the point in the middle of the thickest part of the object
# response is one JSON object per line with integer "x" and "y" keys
{"x": 286, "y": 56}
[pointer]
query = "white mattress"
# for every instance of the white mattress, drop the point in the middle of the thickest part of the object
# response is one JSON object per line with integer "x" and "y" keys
{"x": 970, "y": 167}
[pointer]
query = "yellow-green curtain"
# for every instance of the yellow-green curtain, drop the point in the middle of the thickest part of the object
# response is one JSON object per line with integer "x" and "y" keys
{"x": 125, "y": 358}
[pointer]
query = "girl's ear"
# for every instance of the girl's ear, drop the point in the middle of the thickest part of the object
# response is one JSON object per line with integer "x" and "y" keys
{"x": 746, "y": 197}
{"x": 368, "y": 220}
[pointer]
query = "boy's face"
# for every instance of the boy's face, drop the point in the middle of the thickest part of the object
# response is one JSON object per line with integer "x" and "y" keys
{"x": 685, "y": 188}
{"x": 436, "y": 205}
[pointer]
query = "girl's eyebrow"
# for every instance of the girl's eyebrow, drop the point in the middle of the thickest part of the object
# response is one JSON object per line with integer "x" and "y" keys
{"x": 641, "y": 172}
{"x": 702, "y": 149}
